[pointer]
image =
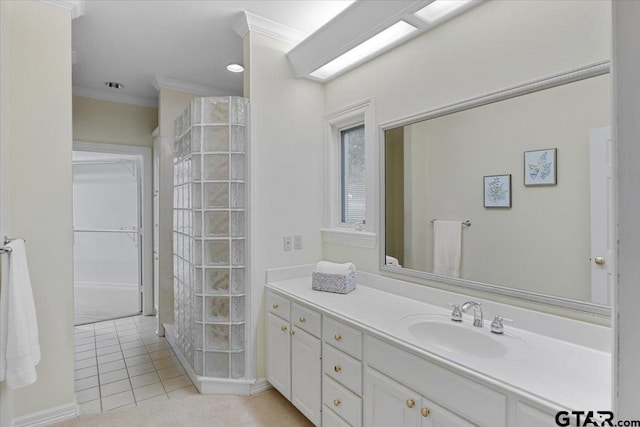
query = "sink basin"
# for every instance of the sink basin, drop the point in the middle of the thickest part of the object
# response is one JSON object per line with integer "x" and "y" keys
{"x": 457, "y": 338}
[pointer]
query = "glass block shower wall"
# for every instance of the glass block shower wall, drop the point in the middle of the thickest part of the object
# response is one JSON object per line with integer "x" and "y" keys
{"x": 211, "y": 138}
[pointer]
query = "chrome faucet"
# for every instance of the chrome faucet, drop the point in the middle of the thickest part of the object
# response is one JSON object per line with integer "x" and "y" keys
{"x": 477, "y": 312}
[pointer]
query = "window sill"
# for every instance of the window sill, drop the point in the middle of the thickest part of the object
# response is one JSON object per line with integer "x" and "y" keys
{"x": 349, "y": 237}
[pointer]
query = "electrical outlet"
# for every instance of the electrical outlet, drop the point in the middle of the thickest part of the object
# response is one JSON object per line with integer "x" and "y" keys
{"x": 287, "y": 243}
{"x": 297, "y": 242}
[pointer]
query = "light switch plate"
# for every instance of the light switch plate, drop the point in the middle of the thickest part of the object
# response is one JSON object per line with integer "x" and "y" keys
{"x": 297, "y": 242}
{"x": 287, "y": 243}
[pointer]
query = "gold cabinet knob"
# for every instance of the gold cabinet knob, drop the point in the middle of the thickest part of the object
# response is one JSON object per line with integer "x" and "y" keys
{"x": 599, "y": 260}
{"x": 283, "y": 328}
{"x": 337, "y": 337}
{"x": 275, "y": 306}
{"x": 425, "y": 412}
{"x": 302, "y": 319}
{"x": 336, "y": 402}
{"x": 292, "y": 332}
{"x": 337, "y": 368}
{"x": 411, "y": 403}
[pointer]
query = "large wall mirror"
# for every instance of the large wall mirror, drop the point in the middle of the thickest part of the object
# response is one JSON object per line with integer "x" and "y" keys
{"x": 551, "y": 237}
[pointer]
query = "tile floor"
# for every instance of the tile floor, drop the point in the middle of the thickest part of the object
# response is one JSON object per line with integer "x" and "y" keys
{"x": 123, "y": 363}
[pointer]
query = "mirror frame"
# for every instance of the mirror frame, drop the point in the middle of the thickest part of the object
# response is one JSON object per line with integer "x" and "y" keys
{"x": 574, "y": 75}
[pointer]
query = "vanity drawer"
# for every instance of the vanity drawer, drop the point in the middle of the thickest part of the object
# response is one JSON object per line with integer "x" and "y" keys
{"x": 342, "y": 401}
{"x": 330, "y": 419}
{"x": 343, "y": 368}
{"x": 479, "y": 404}
{"x": 307, "y": 319}
{"x": 278, "y": 305}
{"x": 341, "y": 336}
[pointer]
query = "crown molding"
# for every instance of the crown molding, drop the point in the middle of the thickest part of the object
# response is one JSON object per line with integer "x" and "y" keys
{"x": 107, "y": 95}
{"x": 75, "y": 6}
{"x": 198, "y": 89}
{"x": 258, "y": 24}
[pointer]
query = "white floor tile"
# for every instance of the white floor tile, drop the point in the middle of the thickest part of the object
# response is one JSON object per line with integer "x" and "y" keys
{"x": 88, "y": 394}
{"x": 148, "y": 391}
{"x": 177, "y": 383}
{"x": 145, "y": 379}
{"x": 157, "y": 346}
{"x": 107, "y": 343}
{"x": 115, "y": 387}
{"x": 145, "y": 368}
{"x": 106, "y": 337}
{"x": 117, "y": 400}
{"x": 84, "y": 347}
{"x": 162, "y": 354}
{"x": 111, "y": 357}
{"x": 156, "y": 399}
{"x": 183, "y": 392}
{"x": 85, "y": 355}
{"x": 131, "y": 344}
{"x": 111, "y": 366}
{"x": 83, "y": 341}
{"x": 166, "y": 363}
{"x": 83, "y": 334}
{"x": 91, "y": 407}
{"x": 86, "y": 383}
{"x": 129, "y": 338}
{"x": 109, "y": 377}
{"x": 171, "y": 372}
{"x": 85, "y": 372}
{"x": 85, "y": 363}
{"x": 137, "y": 360}
{"x": 106, "y": 350}
{"x": 137, "y": 351}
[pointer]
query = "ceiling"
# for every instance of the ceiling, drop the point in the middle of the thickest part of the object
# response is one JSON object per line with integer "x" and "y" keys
{"x": 132, "y": 42}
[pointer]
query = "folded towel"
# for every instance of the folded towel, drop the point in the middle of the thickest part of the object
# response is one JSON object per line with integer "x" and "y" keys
{"x": 18, "y": 324}
{"x": 335, "y": 268}
{"x": 389, "y": 260}
{"x": 447, "y": 247}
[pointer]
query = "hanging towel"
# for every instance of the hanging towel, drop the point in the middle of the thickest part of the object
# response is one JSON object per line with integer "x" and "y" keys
{"x": 447, "y": 242}
{"x": 389, "y": 260}
{"x": 20, "y": 350}
{"x": 327, "y": 267}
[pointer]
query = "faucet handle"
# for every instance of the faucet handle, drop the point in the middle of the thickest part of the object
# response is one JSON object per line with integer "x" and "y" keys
{"x": 456, "y": 314}
{"x": 497, "y": 326}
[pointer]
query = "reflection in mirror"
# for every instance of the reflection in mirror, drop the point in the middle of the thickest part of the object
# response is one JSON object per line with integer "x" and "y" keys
{"x": 547, "y": 240}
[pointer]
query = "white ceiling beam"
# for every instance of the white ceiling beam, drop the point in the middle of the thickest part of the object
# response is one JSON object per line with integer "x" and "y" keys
{"x": 258, "y": 24}
{"x": 110, "y": 95}
{"x": 75, "y": 6}
{"x": 182, "y": 86}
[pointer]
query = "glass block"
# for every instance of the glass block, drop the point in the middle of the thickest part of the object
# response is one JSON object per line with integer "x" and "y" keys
{"x": 216, "y": 166}
{"x": 237, "y": 252}
{"x": 197, "y": 252}
{"x": 197, "y": 335}
{"x": 196, "y": 196}
{"x": 237, "y": 195}
{"x": 216, "y": 364}
{"x": 197, "y": 362}
{"x": 237, "y": 224}
{"x": 216, "y": 224}
{"x": 216, "y": 252}
{"x": 196, "y": 165}
{"x": 237, "y": 280}
{"x": 216, "y": 195}
{"x": 186, "y": 144}
{"x": 237, "y": 166}
{"x": 197, "y": 280}
{"x": 238, "y": 135}
{"x": 216, "y": 280}
{"x": 216, "y": 309}
{"x": 197, "y": 309}
{"x": 238, "y": 111}
{"x": 237, "y": 365}
{"x": 216, "y": 110}
{"x": 215, "y": 138}
{"x": 196, "y": 139}
{"x": 216, "y": 337}
{"x": 197, "y": 225}
{"x": 237, "y": 337}
{"x": 196, "y": 111}
{"x": 237, "y": 309}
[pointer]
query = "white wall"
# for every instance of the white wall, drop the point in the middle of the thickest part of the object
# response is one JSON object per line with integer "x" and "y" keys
{"x": 490, "y": 47}
{"x": 39, "y": 201}
{"x": 286, "y": 148}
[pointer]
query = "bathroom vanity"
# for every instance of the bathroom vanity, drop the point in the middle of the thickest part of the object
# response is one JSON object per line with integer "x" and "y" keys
{"x": 376, "y": 358}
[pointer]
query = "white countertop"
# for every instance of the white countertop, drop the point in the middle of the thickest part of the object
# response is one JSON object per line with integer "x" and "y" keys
{"x": 560, "y": 374}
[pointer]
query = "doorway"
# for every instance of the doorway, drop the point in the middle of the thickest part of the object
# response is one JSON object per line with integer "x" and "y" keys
{"x": 111, "y": 216}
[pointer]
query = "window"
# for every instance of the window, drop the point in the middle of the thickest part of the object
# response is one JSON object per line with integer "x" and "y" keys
{"x": 353, "y": 179}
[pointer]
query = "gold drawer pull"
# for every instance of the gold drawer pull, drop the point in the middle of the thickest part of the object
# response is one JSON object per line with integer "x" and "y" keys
{"x": 302, "y": 319}
{"x": 292, "y": 332}
{"x": 275, "y": 306}
{"x": 425, "y": 412}
{"x": 337, "y": 368}
{"x": 337, "y": 337}
{"x": 411, "y": 403}
{"x": 336, "y": 402}
{"x": 284, "y": 328}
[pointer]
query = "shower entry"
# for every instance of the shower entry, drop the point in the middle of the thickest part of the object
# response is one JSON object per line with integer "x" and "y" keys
{"x": 108, "y": 239}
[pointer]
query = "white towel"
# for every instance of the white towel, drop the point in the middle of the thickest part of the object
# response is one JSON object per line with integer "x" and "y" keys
{"x": 18, "y": 324}
{"x": 447, "y": 241}
{"x": 389, "y": 260}
{"x": 335, "y": 268}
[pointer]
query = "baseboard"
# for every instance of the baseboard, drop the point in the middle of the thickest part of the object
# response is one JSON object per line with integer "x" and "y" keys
{"x": 110, "y": 285}
{"x": 48, "y": 416}
{"x": 261, "y": 385}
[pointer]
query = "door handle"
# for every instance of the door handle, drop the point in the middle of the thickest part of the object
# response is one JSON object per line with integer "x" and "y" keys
{"x": 599, "y": 260}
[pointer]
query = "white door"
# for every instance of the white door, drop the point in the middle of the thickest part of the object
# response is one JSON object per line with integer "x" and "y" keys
{"x": 279, "y": 355}
{"x": 603, "y": 222}
{"x": 305, "y": 374}
{"x": 436, "y": 416}
{"x": 388, "y": 403}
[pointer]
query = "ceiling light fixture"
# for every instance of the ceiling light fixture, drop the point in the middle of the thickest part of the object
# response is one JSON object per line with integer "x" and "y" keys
{"x": 114, "y": 85}
{"x": 439, "y": 9}
{"x": 235, "y": 68}
{"x": 364, "y": 50}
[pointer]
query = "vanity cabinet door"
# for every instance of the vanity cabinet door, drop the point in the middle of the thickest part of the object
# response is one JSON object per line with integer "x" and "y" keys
{"x": 279, "y": 354}
{"x": 436, "y": 416}
{"x": 305, "y": 374}
{"x": 387, "y": 403}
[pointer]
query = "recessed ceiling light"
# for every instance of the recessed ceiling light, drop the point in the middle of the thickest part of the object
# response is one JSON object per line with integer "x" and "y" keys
{"x": 235, "y": 68}
{"x": 114, "y": 85}
{"x": 439, "y": 9}
{"x": 365, "y": 49}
